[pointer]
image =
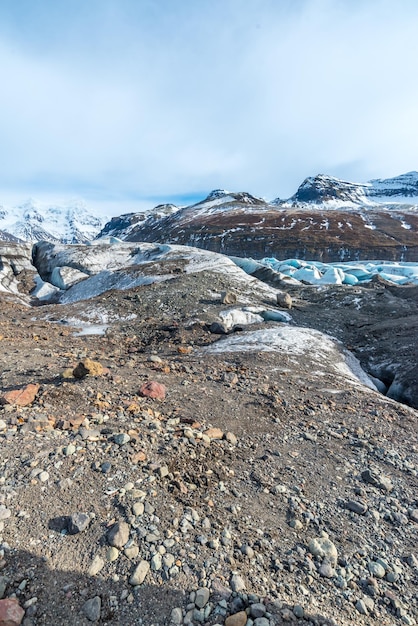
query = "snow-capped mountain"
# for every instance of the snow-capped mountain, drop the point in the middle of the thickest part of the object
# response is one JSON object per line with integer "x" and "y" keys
{"x": 37, "y": 221}
{"x": 327, "y": 219}
{"x": 403, "y": 188}
{"x": 333, "y": 192}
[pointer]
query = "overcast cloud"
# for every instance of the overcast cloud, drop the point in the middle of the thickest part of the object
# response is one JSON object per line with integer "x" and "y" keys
{"x": 131, "y": 102}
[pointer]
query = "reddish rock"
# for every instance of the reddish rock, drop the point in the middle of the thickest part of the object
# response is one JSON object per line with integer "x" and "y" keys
{"x": 11, "y": 613}
{"x": 138, "y": 457}
{"x": 21, "y": 397}
{"x": 214, "y": 433}
{"x": 153, "y": 389}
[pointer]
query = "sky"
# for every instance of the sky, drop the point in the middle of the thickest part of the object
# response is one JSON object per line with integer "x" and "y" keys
{"x": 130, "y": 103}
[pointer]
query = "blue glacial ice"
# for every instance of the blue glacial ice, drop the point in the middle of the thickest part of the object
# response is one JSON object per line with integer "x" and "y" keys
{"x": 349, "y": 273}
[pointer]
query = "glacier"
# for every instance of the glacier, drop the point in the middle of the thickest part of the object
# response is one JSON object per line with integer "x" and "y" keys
{"x": 349, "y": 273}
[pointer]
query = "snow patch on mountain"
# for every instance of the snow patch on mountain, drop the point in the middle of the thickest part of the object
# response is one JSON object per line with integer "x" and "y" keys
{"x": 37, "y": 221}
{"x": 333, "y": 193}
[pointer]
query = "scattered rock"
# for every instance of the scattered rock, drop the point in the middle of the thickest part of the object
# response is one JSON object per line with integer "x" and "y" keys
{"x": 152, "y": 389}
{"x": 11, "y": 613}
{"x": 5, "y": 513}
{"x": 139, "y": 573}
{"x": 202, "y": 597}
{"x": 214, "y": 433}
{"x": 121, "y": 439}
{"x": 284, "y": 300}
{"x": 376, "y": 569}
{"x": 227, "y": 297}
{"x": 118, "y": 535}
{"x": 217, "y": 328}
{"x": 357, "y": 507}
{"x": 176, "y": 616}
{"x": 96, "y": 565}
{"x": 21, "y": 397}
{"x": 377, "y": 480}
{"x": 92, "y": 608}
{"x": 112, "y": 554}
{"x": 237, "y": 583}
{"x": 77, "y": 523}
{"x": 238, "y": 619}
{"x": 323, "y": 547}
{"x": 326, "y": 568}
{"x": 88, "y": 367}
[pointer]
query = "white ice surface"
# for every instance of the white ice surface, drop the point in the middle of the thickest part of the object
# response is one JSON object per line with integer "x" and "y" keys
{"x": 299, "y": 343}
{"x": 126, "y": 265}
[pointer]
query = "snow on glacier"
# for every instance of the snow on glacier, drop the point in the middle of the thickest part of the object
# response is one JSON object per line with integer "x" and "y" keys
{"x": 122, "y": 265}
{"x": 297, "y": 342}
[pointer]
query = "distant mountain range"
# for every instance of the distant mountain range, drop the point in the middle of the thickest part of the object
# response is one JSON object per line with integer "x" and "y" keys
{"x": 35, "y": 221}
{"x": 326, "y": 219}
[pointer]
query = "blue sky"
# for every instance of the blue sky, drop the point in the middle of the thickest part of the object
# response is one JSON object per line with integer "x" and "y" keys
{"x": 128, "y": 103}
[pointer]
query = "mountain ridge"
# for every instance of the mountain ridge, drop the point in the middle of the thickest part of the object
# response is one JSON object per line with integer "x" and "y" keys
{"x": 34, "y": 221}
{"x": 327, "y": 219}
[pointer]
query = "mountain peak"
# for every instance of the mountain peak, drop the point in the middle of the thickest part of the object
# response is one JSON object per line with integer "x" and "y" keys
{"x": 322, "y": 188}
{"x": 217, "y": 193}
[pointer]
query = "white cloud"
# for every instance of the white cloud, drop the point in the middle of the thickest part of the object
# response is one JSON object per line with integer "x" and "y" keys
{"x": 123, "y": 100}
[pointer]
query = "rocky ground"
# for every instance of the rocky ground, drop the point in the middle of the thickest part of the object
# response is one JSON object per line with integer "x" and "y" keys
{"x": 259, "y": 488}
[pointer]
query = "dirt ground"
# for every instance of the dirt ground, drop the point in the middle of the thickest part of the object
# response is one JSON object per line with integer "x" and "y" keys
{"x": 285, "y": 468}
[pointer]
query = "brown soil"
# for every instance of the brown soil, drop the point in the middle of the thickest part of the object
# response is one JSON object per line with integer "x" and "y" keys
{"x": 303, "y": 439}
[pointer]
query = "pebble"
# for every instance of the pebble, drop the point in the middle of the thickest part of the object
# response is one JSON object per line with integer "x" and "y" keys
{"x": 77, "y": 523}
{"x": 237, "y": 583}
{"x": 296, "y": 524}
{"x": 152, "y": 389}
{"x": 105, "y": 467}
{"x": 323, "y": 547}
{"x": 231, "y": 438}
{"x": 69, "y": 450}
{"x": 132, "y": 552}
{"x": 139, "y": 573}
{"x": 357, "y": 507}
{"x": 413, "y": 514}
{"x": 376, "y": 569}
{"x": 214, "y": 433}
{"x": 3, "y": 425}
{"x": 96, "y": 565}
{"x": 202, "y": 597}
{"x": 43, "y": 477}
{"x": 298, "y": 611}
{"x": 156, "y": 562}
{"x": 238, "y": 619}
{"x": 257, "y": 609}
{"x": 261, "y": 621}
{"x": 5, "y": 513}
{"x": 176, "y": 616}
{"x": 92, "y": 608}
{"x": 11, "y": 613}
{"x": 118, "y": 535}
{"x": 121, "y": 439}
{"x": 377, "y": 480}
{"x": 326, "y": 568}
{"x": 112, "y": 554}
{"x": 138, "y": 508}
